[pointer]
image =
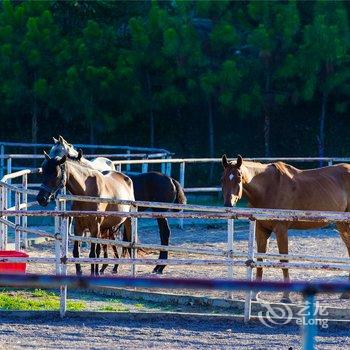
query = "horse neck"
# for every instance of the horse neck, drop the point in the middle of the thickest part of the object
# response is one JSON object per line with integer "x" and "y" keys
{"x": 76, "y": 178}
{"x": 253, "y": 188}
{"x": 86, "y": 162}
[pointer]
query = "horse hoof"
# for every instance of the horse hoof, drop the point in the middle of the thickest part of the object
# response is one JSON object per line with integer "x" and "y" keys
{"x": 157, "y": 271}
{"x": 79, "y": 273}
{"x": 114, "y": 272}
{"x": 345, "y": 295}
{"x": 286, "y": 300}
{"x": 102, "y": 273}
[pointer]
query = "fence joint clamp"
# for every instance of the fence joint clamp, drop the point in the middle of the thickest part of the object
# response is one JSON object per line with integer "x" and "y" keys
{"x": 250, "y": 263}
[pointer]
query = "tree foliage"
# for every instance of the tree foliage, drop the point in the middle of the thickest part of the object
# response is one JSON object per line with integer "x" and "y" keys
{"x": 197, "y": 77}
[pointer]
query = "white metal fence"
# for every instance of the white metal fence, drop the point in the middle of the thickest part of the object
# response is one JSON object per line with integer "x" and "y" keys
{"x": 7, "y": 155}
{"x": 228, "y": 258}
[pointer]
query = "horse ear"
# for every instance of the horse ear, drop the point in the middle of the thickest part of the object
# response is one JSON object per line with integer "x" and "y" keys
{"x": 224, "y": 161}
{"x": 239, "y": 161}
{"x": 62, "y": 160}
{"x": 55, "y": 140}
{"x": 60, "y": 139}
{"x": 80, "y": 153}
{"x": 47, "y": 156}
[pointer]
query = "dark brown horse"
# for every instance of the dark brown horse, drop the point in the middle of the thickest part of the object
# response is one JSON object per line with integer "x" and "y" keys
{"x": 282, "y": 186}
{"x": 157, "y": 187}
{"x": 84, "y": 181}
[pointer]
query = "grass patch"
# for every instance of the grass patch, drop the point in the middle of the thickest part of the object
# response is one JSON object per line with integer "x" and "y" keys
{"x": 36, "y": 300}
{"x": 115, "y": 308}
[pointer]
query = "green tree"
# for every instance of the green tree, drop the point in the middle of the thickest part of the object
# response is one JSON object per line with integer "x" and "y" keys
{"x": 320, "y": 67}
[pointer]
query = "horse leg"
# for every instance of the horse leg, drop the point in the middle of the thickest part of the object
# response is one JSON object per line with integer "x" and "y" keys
{"x": 127, "y": 236}
{"x": 281, "y": 231}
{"x": 164, "y": 231}
{"x": 76, "y": 253}
{"x": 115, "y": 234}
{"x": 76, "y": 248}
{"x": 98, "y": 253}
{"x": 116, "y": 255}
{"x": 262, "y": 236}
{"x": 105, "y": 255}
{"x": 91, "y": 256}
{"x": 344, "y": 230}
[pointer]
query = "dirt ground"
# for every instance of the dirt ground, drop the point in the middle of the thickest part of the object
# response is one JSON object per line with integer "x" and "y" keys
{"x": 172, "y": 332}
{"x": 168, "y": 333}
{"x": 321, "y": 242}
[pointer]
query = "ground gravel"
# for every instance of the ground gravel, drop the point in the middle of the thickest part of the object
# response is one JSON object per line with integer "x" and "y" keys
{"x": 167, "y": 333}
{"x": 172, "y": 333}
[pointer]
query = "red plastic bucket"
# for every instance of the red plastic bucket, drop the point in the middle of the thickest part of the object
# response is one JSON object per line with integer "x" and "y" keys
{"x": 12, "y": 267}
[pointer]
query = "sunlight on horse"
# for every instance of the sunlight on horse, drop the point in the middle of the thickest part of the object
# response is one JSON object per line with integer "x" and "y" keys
{"x": 282, "y": 186}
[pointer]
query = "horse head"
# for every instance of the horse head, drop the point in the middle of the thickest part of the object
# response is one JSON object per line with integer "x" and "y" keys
{"x": 231, "y": 181}
{"x": 54, "y": 178}
{"x": 62, "y": 148}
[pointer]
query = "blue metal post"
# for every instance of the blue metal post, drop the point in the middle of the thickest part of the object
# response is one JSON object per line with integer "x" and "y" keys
{"x": 309, "y": 323}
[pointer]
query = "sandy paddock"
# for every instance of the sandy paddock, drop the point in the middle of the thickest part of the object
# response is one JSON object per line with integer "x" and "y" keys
{"x": 322, "y": 242}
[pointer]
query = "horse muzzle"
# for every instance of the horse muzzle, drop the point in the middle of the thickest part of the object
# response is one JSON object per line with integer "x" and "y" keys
{"x": 231, "y": 201}
{"x": 43, "y": 198}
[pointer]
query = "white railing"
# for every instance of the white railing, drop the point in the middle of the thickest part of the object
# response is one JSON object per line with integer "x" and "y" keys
{"x": 184, "y": 162}
{"x": 128, "y": 152}
{"x": 228, "y": 257}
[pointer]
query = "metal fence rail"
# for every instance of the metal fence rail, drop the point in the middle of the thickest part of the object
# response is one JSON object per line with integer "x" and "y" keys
{"x": 129, "y": 152}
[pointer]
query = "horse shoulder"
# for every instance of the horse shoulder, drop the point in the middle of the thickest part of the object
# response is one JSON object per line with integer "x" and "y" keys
{"x": 120, "y": 182}
{"x": 283, "y": 186}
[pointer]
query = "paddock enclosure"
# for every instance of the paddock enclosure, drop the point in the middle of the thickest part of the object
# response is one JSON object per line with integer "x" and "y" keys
{"x": 207, "y": 241}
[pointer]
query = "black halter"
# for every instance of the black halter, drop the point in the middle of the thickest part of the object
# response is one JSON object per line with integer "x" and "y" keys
{"x": 62, "y": 183}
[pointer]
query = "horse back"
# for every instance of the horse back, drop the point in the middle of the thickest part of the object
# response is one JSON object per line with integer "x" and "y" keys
{"x": 157, "y": 187}
{"x": 325, "y": 188}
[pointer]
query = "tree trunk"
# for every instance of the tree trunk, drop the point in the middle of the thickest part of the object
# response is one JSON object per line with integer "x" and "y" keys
{"x": 35, "y": 128}
{"x": 267, "y": 110}
{"x": 151, "y": 112}
{"x": 92, "y": 131}
{"x": 211, "y": 136}
{"x": 321, "y": 135}
{"x": 267, "y": 132}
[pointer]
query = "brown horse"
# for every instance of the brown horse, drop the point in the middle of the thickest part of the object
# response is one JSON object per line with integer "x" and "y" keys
{"x": 84, "y": 181}
{"x": 282, "y": 186}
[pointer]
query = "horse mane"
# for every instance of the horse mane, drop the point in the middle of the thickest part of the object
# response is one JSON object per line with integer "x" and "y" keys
{"x": 74, "y": 160}
{"x": 285, "y": 169}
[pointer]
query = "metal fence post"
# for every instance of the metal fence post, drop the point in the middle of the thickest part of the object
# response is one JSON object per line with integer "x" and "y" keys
{"x": 250, "y": 261}
{"x": 168, "y": 167}
{"x": 309, "y": 323}
{"x": 25, "y": 218}
{"x": 64, "y": 253}
{"x": 128, "y": 158}
{"x": 162, "y": 167}
{"x": 57, "y": 241}
{"x": 134, "y": 239}
{"x": 230, "y": 232}
{"x": 5, "y": 206}
{"x": 182, "y": 183}
{"x": 118, "y": 167}
{"x": 17, "y": 222}
{"x": 2, "y": 161}
{"x": 1, "y": 224}
{"x": 9, "y": 181}
{"x": 144, "y": 166}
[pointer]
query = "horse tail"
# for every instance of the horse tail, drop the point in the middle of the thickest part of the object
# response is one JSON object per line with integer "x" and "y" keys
{"x": 180, "y": 194}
